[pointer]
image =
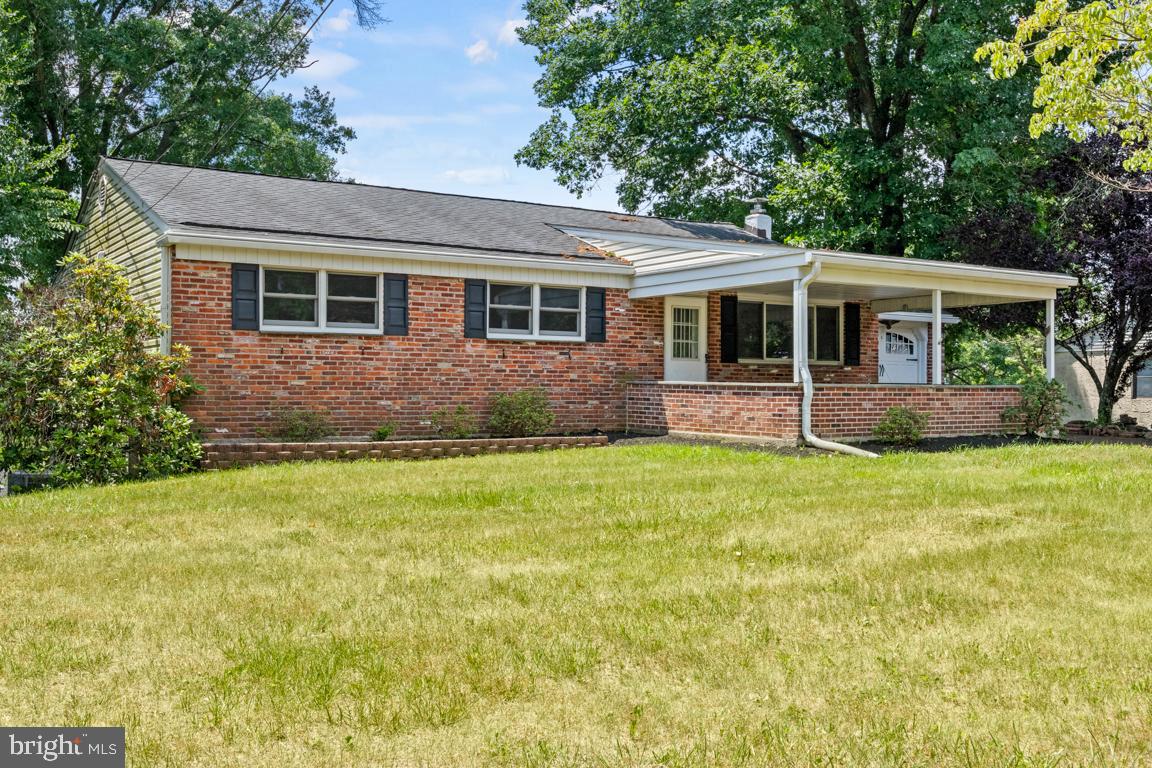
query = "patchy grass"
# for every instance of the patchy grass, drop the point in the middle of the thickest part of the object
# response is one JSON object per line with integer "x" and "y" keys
{"x": 656, "y": 605}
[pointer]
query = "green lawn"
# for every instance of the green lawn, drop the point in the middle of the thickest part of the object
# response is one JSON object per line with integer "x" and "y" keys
{"x": 658, "y": 605}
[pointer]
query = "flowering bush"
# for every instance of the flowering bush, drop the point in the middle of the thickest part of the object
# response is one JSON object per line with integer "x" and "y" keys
{"x": 81, "y": 393}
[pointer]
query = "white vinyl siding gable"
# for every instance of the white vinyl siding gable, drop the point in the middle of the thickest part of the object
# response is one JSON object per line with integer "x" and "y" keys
{"x": 118, "y": 229}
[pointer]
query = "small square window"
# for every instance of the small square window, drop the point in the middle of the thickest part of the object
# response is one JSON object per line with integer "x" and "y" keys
{"x": 1143, "y": 384}
{"x": 353, "y": 301}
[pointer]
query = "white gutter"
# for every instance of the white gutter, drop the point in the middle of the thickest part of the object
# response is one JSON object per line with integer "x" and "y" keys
{"x": 801, "y": 294}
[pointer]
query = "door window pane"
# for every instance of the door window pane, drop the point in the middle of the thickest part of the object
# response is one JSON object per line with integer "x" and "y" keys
{"x": 685, "y": 333}
{"x": 750, "y": 329}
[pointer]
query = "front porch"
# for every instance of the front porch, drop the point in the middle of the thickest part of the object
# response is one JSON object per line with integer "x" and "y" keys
{"x": 779, "y": 343}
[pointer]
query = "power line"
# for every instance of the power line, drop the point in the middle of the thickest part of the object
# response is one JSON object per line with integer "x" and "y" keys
{"x": 243, "y": 112}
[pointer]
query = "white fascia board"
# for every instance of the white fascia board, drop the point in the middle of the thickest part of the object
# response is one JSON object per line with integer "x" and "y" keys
{"x": 175, "y": 236}
{"x": 685, "y": 284}
{"x": 951, "y": 269}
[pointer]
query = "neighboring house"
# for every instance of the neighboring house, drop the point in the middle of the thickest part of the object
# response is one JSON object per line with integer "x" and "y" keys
{"x": 1083, "y": 398}
{"x": 379, "y": 305}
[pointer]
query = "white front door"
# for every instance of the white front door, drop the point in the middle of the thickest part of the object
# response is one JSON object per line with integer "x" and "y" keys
{"x": 685, "y": 340}
{"x": 901, "y": 356}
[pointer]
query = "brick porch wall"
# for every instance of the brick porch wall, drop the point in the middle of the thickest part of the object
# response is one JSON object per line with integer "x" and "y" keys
{"x": 365, "y": 381}
{"x": 838, "y": 411}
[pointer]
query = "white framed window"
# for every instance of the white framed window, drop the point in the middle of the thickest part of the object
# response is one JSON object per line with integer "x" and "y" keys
{"x": 319, "y": 301}
{"x": 535, "y": 311}
{"x": 764, "y": 332}
{"x": 1142, "y": 382}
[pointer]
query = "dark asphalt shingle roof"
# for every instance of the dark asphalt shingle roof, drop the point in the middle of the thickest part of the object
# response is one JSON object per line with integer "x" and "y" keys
{"x": 202, "y": 198}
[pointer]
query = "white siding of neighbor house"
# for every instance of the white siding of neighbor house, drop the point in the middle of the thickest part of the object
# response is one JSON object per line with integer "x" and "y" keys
{"x": 1082, "y": 392}
{"x": 118, "y": 229}
{"x": 398, "y": 265}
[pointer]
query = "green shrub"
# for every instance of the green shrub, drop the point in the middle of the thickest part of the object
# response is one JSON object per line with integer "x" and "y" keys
{"x": 83, "y": 395}
{"x": 384, "y": 431}
{"x": 455, "y": 424}
{"x": 525, "y": 413}
{"x": 1041, "y": 409}
{"x": 901, "y": 426}
{"x": 298, "y": 425}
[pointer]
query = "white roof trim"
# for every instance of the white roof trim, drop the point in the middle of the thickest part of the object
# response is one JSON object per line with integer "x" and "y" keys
{"x": 303, "y": 245}
{"x": 672, "y": 257}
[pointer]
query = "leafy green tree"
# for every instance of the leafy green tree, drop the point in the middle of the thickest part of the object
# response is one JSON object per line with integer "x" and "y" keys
{"x": 34, "y": 214}
{"x": 1094, "y": 230}
{"x": 82, "y": 395}
{"x": 867, "y": 123}
{"x": 182, "y": 80}
{"x": 1094, "y": 65}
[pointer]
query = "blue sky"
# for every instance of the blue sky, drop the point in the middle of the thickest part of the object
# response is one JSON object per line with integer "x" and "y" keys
{"x": 440, "y": 98}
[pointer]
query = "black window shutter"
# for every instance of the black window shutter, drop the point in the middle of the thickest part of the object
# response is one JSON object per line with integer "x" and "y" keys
{"x": 475, "y": 309}
{"x": 595, "y": 315}
{"x": 729, "y": 330}
{"x": 246, "y": 297}
{"x": 395, "y": 305}
{"x": 851, "y": 334}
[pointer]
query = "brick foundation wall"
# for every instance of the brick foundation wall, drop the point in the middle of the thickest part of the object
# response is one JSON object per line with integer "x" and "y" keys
{"x": 838, "y": 411}
{"x": 781, "y": 373}
{"x": 365, "y": 381}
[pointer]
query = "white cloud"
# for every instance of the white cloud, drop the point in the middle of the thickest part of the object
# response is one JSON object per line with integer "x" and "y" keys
{"x": 478, "y": 177}
{"x": 507, "y": 34}
{"x": 480, "y": 52}
{"x": 339, "y": 23}
{"x": 328, "y": 64}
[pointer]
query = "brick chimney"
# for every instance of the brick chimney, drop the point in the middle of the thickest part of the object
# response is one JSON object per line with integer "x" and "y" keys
{"x": 758, "y": 222}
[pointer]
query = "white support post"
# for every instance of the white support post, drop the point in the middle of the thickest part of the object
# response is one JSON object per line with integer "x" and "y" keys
{"x": 799, "y": 311}
{"x": 937, "y": 338}
{"x": 1050, "y": 338}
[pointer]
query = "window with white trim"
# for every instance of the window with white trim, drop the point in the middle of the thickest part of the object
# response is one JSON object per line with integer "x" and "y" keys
{"x": 534, "y": 311}
{"x": 1142, "y": 384}
{"x": 764, "y": 331}
{"x": 335, "y": 302}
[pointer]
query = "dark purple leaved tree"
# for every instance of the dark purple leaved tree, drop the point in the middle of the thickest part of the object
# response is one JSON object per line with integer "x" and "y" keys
{"x": 1092, "y": 219}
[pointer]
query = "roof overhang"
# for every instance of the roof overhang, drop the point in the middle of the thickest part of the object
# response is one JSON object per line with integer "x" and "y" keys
{"x": 176, "y": 236}
{"x": 668, "y": 266}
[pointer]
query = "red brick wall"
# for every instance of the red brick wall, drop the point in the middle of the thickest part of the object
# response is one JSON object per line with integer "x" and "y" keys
{"x": 364, "y": 381}
{"x": 838, "y": 411}
{"x": 865, "y": 373}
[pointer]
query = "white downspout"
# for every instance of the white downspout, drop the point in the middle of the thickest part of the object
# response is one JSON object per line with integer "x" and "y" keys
{"x": 800, "y": 295}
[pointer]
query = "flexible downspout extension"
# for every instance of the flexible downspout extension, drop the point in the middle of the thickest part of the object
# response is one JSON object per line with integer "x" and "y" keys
{"x": 809, "y": 389}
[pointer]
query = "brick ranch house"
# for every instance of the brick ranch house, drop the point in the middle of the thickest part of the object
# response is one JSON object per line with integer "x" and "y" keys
{"x": 378, "y": 305}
